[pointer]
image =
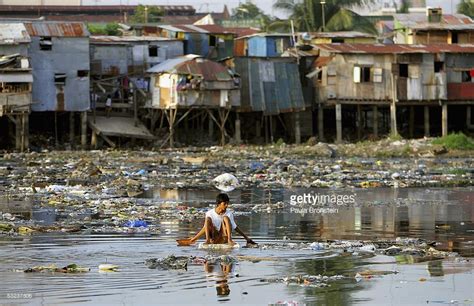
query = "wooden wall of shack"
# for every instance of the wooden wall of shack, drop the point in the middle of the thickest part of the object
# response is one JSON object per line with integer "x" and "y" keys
{"x": 413, "y": 75}
{"x": 212, "y": 94}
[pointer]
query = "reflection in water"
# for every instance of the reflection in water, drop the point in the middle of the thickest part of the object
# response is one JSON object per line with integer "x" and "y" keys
{"x": 219, "y": 272}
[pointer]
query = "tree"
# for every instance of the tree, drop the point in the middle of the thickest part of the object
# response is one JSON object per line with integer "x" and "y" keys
{"x": 346, "y": 20}
{"x": 247, "y": 10}
{"x": 111, "y": 29}
{"x": 404, "y": 8}
{"x": 146, "y": 14}
{"x": 466, "y": 7}
{"x": 307, "y": 14}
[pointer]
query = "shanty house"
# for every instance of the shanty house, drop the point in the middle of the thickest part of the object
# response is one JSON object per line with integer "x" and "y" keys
{"x": 120, "y": 55}
{"x": 191, "y": 80}
{"x": 346, "y": 37}
{"x": 434, "y": 76}
{"x": 15, "y": 80}
{"x": 262, "y": 45}
{"x": 371, "y": 72}
{"x": 433, "y": 28}
{"x": 209, "y": 41}
{"x": 59, "y": 53}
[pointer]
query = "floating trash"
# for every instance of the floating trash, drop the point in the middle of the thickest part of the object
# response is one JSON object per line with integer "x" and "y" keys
{"x": 226, "y": 182}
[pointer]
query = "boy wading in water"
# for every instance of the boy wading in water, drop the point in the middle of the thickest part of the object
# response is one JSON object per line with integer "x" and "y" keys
{"x": 219, "y": 224}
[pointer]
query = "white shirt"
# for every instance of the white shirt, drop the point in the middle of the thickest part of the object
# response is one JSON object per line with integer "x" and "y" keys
{"x": 218, "y": 219}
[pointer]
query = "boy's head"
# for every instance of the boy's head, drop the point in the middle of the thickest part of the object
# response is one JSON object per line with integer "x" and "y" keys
{"x": 222, "y": 201}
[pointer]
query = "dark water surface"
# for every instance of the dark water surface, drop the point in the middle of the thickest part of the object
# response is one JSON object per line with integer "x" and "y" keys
{"x": 443, "y": 215}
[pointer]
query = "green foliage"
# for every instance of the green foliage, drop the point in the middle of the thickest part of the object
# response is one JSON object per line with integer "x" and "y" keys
{"x": 456, "y": 141}
{"x": 111, "y": 29}
{"x": 247, "y": 10}
{"x": 466, "y": 7}
{"x": 147, "y": 14}
{"x": 346, "y": 20}
{"x": 404, "y": 8}
{"x": 307, "y": 14}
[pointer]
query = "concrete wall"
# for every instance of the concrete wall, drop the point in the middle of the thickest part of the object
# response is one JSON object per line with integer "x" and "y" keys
{"x": 110, "y": 59}
{"x": 68, "y": 55}
{"x": 22, "y": 49}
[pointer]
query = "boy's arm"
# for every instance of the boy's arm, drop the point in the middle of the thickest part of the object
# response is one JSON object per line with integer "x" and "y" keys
{"x": 238, "y": 230}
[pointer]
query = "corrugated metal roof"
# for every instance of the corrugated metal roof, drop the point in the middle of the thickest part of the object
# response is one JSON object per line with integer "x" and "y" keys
{"x": 340, "y": 34}
{"x": 13, "y": 33}
{"x": 240, "y": 32}
{"x": 194, "y": 65}
{"x": 266, "y": 35}
{"x": 169, "y": 65}
{"x": 396, "y": 48}
{"x": 57, "y": 29}
{"x": 420, "y": 21}
{"x": 192, "y": 28}
{"x": 127, "y": 39}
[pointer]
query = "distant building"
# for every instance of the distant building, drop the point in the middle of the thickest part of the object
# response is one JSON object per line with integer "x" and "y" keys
{"x": 85, "y": 13}
{"x": 434, "y": 27}
{"x": 209, "y": 41}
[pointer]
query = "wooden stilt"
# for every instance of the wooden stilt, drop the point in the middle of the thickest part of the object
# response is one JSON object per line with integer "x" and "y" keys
{"x": 18, "y": 125}
{"x": 297, "y": 128}
{"x": 411, "y": 123}
{"x": 393, "y": 119}
{"x": 320, "y": 122}
{"x": 393, "y": 107}
{"x": 427, "y": 120}
{"x": 71, "y": 129}
{"x": 94, "y": 140}
{"x": 375, "y": 121}
{"x": 83, "y": 130}
{"x": 186, "y": 130}
{"x": 444, "y": 123}
{"x": 238, "y": 138}
{"x": 338, "y": 123}
{"x": 359, "y": 122}
{"x": 258, "y": 129}
{"x": 210, "y": 127}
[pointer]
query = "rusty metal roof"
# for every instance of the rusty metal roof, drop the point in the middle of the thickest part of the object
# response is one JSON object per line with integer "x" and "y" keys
{"x": 448, "y": 22}
{"x": 57, "y": 29}
{"x": 395, "y": 48}
{"x": 194, "y": 65}
{"x": 13, "y": 33}
{"x": 240, "y": 32}
{"x": 92, "y": 8}
{"x": 127, "y": 39}
{"x": 193, "y": 28}
{"x": 340, "y": 34}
